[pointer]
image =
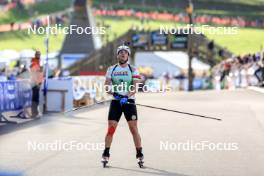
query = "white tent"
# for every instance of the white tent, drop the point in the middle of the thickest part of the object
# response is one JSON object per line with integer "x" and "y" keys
{"x": 181, "y": 60}
{"x": 53, "y": 60}
{"x": 51, "y": 56}
{"x": 9, "y": 55}
{"x": 171, "y": 62}
{"x": 27, "y": 53}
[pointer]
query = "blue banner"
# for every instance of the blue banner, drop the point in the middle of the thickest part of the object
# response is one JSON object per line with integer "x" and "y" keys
{"x": 140, "y": 40}
{"x": 15, "y": 95}
{"x": 159, "y": 39}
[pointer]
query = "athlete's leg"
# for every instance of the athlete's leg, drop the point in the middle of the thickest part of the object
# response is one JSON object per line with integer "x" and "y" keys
{"x": 114, "y": 115}
{"x": 136, "y": 137}
{"x": 110, "y": 132}
{"x": 134, "y": 131}
{"x": 109, "y": 137}
{"x": 130, "y": 111}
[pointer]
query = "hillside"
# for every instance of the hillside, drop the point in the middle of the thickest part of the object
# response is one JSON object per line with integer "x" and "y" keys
{"x": 246, "y": 41}
{"x": 253, "y": 9}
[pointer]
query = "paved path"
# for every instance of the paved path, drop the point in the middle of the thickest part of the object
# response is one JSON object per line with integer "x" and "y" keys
{"x": 242, "y": 129}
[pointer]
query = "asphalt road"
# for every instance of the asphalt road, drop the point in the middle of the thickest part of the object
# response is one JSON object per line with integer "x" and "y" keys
{"x": 173, "y": 144}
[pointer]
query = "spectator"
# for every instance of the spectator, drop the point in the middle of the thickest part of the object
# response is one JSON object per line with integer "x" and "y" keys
{"x": 226, "y": 70}
{"x": 36, "y": 60}
{"x": 20, "y": 5}
{"x": 244, "y": 71}
{"x": 12, "y": 77}
{"x": 12, "y": 26}
{"x": 260, "y": 71}
{"x": 3, "y": 76}
{"x": 180, "y": 77}
{"x": 56, "y": 73}
{"x": 36, "y": 78}
{"x": 24, "y": 75}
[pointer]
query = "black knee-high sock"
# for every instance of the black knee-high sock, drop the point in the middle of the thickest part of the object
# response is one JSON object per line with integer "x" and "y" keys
{"x": 106, "y": 150}
{"x": 139, "y": 150}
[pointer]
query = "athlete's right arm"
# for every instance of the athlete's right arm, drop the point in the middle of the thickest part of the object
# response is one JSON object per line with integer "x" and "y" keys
{"x": 108, "y": 84}
{"x": 108, "y": 81}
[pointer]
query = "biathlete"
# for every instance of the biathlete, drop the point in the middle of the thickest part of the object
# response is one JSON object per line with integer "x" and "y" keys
{"x": 121, "y": 82}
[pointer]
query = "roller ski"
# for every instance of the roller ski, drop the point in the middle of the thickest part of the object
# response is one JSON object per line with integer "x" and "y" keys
{"x": 140, "y": 158}
{"x": 105, "y": 159}
{"x": 140, "y": 162}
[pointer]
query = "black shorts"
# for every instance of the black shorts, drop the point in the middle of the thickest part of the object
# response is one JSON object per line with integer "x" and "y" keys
{"x": 116, "y": 110}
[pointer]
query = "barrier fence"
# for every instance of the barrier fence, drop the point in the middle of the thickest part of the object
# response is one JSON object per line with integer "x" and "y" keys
{"x": 14, "y": 95}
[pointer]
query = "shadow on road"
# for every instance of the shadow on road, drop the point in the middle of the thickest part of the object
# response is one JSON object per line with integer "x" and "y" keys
{"x": 8, "y": 128}
{"x": 150, "y": 170}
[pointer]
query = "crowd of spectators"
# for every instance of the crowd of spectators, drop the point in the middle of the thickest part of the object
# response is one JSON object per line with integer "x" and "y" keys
{"x": 34, "y": 74}
{"x": 11, "y": 4}
{"x": 62, "y": 18}
{"x": 240, "y": 71}
{"x": 181, "y": 17}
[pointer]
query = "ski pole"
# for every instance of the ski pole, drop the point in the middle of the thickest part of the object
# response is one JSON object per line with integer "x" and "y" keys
{"x": 164, "y": 109}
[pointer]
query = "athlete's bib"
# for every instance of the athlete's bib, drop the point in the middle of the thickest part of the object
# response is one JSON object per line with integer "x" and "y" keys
{"x": 122, "y": 78}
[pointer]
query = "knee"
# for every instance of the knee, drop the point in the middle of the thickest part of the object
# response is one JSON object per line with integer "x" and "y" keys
{"x": 111, "y": 131}
{"x": 134, "y": 130}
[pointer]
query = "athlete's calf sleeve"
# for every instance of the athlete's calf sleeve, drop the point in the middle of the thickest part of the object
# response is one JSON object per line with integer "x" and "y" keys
{"x": 111, "y": 131}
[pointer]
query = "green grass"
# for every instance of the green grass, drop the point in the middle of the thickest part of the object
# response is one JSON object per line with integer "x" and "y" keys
{"x": 21, "y": 40}
{"x": 12, "y": 16}
{"x": 245, "y": 41}
{"x": 41, "y": 8}
{"x": 120, "y": 25}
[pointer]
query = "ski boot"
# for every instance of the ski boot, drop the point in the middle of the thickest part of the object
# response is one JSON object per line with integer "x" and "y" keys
{"x": 105, "y": 159}
{"x": 140, "y": 158}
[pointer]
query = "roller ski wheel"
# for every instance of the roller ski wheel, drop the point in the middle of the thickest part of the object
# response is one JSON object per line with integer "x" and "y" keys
{"x": 140, "y": 162}
{"x": 105, "y": 161}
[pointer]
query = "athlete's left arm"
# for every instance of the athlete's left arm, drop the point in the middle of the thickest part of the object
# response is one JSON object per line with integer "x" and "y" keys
{"x": 136, "y": 80}
{"x": 134, "y": 88}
